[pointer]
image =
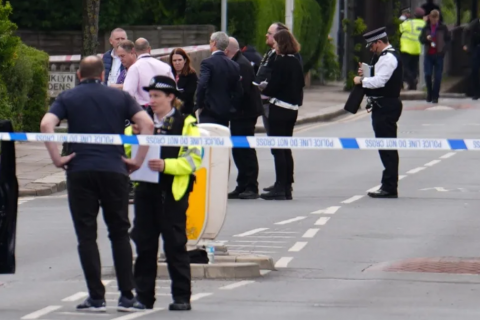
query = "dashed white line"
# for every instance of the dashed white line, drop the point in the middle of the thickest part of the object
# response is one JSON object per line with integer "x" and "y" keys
{"x": 401, "y": 177}
{"x": 258, "y": 241}
{"x": 41, "y": 312}
{"x": 76, "y": 296}
{"x": 310, "y": 233}
{"x": 322, "y": 221}
{"x": 374, "y": 188}
{"x": 291, "y": 220}
{"x": 236, "y": 285}
{"x": 448, "y": 155}
{"x": 432, "y": 163}
{"x": 283, "y": 262}
{"x": 199, "y": 296}
{"x": 138, "y": 314}
{"x": 416, "y": 170}
{"x": 252, "y": 245}
{"x": 249, "y": 233}
{"x": 298, "y": 246}
{"x": 329, "y": 210}
{"x": 106, "y": 282}
{"x": 352, "y": 199}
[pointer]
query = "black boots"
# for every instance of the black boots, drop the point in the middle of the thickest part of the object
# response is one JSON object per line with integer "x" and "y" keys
{"x": 277, "y": 192}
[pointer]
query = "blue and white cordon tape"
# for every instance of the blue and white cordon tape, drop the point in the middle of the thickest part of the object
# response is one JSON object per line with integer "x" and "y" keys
{"x": 252, "y": 142}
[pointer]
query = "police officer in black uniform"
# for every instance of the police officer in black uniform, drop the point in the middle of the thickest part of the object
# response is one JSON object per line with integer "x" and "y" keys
{"x": 383, "y": 93}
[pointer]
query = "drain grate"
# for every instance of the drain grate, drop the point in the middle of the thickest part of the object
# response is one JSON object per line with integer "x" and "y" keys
{"x": 451, "y": 265}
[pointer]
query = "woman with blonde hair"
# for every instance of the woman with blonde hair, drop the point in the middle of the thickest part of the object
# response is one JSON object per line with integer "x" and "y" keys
{"x": 160, "y": 208}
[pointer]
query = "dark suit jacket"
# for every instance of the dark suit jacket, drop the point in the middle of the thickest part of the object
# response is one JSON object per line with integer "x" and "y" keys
{"x": 189, "y": 85}
{"x": 219, "y": 87}
{"x": 251, "y": 102}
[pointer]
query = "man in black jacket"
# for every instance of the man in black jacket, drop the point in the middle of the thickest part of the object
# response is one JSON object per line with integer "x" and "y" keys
{"x": 219, "y": 89}
{"x": 471, "y": 44}
{"x": 243, "y": 124}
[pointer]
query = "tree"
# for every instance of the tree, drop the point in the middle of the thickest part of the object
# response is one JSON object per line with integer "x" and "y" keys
{"x": 91, "y": 11}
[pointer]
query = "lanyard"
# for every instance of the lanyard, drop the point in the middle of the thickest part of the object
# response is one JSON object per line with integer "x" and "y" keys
{"x": 433, "y": 33}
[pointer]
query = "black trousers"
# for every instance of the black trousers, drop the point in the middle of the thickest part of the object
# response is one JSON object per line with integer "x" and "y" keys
{"x": 384, "y": 122}
{"x": 157, "y": 213}
{"x": 475, "y": 63}
{"x": 411, "y": 66}
{"x": 245, "y": 158}
{"x": 86, "y": 190}
{"x": 281, "y": 123}
{"x": 207, "y": 117}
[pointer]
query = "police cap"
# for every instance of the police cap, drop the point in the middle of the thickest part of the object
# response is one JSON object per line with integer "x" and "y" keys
{"x": 375, "y": 35}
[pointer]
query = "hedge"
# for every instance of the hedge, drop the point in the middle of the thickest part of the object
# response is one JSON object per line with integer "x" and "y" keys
{"x": 248, "y": 21}
{"x": 23, "y": 78}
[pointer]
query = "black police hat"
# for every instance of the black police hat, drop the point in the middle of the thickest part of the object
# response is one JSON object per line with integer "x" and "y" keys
{"x": 163, "y": 83}
{"x": 375, "y": 35}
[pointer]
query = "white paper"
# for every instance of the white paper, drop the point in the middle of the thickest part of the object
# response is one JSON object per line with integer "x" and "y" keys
{"x": 367, "y": 70}
{"x": 145, "y": 174}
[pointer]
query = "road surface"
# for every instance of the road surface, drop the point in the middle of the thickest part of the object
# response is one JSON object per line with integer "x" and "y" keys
{"x": 332, "y": 245}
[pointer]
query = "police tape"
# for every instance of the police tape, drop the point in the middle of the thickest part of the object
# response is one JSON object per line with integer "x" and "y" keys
{"x": 251, "y": 142}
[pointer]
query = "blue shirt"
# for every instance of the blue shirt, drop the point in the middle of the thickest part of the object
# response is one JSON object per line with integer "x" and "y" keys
{"x": 94, "y": 108}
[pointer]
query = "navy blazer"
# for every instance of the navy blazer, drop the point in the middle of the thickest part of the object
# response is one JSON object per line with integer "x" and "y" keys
{"x": 219, "y": 81}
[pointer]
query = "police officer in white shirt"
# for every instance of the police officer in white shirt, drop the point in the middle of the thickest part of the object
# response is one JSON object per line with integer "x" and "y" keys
{"x": 383, "y": 92}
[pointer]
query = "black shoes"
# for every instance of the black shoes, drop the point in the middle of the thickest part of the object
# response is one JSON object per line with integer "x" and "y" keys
{"x": 180, "y": 306}
{"x": 278, "y": 193}
{"x": 245, "y": 195}
{"x": 382, "y": 194}
{"x": 273, "y": 187}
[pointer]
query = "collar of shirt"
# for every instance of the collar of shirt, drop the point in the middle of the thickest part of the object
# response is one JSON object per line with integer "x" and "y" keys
{"x": 112, "y": 53}
{"x": 143, "y": 55}
{"x": 217, "y": 51}
{"x": 158, "y": 123}
{"x": 387, "y": 47}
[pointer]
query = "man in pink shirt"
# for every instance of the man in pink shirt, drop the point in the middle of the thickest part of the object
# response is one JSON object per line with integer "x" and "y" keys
{"x": 142, "y": 71}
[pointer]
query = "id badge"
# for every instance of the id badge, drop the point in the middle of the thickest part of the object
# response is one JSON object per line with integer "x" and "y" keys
{"x": 433, "y": 45}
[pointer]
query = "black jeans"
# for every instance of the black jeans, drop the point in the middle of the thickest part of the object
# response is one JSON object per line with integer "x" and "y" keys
{"x": 245, "y": 158}
{"x": 87, "y": 190}
{"x": 410, "y": 69}
{"x": 433, "y": 68}
{"x": 475, "y": 63}
{"x": 281, "y": 122}
{"x": 384, "y": 122}
{"x": 157, "y": 213}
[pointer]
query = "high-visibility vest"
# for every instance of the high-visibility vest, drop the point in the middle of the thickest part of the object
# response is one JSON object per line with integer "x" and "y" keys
{"x": 409, "y": 40}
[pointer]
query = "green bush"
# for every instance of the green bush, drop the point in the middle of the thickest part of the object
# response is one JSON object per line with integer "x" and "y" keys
{"x": 248, "y": 21}
{"x": 23, "y": 78}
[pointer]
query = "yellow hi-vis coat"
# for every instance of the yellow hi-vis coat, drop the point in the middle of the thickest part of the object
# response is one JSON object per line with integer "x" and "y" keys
{"x": 409, "y": 40}
{"x": 188, "y": 161}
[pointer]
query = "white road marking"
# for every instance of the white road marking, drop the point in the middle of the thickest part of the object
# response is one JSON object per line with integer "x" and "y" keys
{"x": 106, "y": 282}
{"x": 401, "y": 177}
{"x": 329, "y": 210}
{"x": 86, "y": 314}
{"x": 76, "y": 296}
{"x": 276, "y": 232}
{"x": 298, "y": 246}
{"x": 283, "y": 262}
{"x": 138, "y": 314}
{"x": 199, "y": 296}
{"x": 440, "y": 189}
{"x": 291, "y": 220}
{"x": 236, "y": 285}
{"x": 352, "y": 199}
{"x": 249, "y": 233}
{"x": 374, "y": 188}
{"x": 448, "y": 155}
{"x": 432, "y": 163}
{"x": 322, "y": 221}
{"x": 258, "y": 241}
{"x": 264, "y": 272}
{"x": 416, "y": 170}
{"x": 252, "y": 245}
{"x": 41, "y": 312}
{"x": 251, "y": 251}
{"x": 268, "y": 237}
{"x": 310, "y": 233}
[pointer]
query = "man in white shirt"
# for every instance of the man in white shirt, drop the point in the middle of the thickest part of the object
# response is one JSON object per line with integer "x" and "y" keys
{"x": 112, "y": 63}
{"x": 142, "y": 72}
{"x": 383, "y": 91}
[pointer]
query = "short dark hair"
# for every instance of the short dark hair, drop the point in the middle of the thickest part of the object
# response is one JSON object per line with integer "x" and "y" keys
{"x": 286, "y": 42}
{"x": 281, "y": 26}
{"x": 126, "y": 45}
{"x": 91, "y": 67}
{"x": 384, "y": 40}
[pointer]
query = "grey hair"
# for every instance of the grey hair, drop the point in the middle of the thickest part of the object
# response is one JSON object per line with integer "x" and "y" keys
{"x": 221, "y": 40}
{"x": 126, "y": 45}
{"x": 141, "y": 45}
{"x": 117, "y": 30}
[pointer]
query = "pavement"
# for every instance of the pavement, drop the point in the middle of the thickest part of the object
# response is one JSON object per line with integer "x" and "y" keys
{"x": 38, "y": 177}
{"x": 338, "y": 254}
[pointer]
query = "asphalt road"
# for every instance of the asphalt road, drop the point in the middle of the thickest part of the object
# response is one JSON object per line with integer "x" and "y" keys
{"x": 324, "y": 259}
